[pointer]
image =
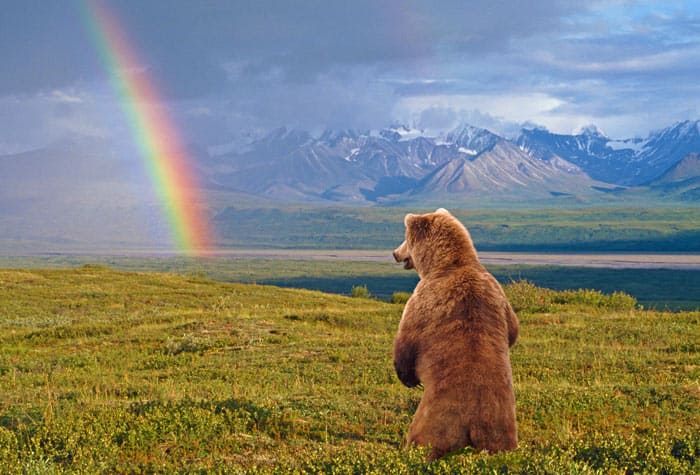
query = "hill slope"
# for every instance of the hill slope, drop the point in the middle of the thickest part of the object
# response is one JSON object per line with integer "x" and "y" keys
{"x": 104, "y": 371}
{"x": 681, "y": 180}
{"x": 506, "y": 170}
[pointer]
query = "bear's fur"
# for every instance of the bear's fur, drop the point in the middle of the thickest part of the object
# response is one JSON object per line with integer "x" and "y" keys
{"x": 454, "y": 339}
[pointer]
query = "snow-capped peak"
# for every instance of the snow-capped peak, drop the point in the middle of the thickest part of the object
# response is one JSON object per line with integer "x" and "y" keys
{"x": 687, "y": 127}
{"x": 334, "y": 137}
{"x": 401, "y": 133}
{"x": 591, "y": 130}
{"x": 472, "y": 138}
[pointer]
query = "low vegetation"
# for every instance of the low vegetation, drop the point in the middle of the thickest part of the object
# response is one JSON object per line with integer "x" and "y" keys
{"x": 400, "y": 297}
{"x": 663, "y": 289}
{"x": 602, "y": 229}
{"x": 360, "y": 291}
{"x": 103, "y": 371}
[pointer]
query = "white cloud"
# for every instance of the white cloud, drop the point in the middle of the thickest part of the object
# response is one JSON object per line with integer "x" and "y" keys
{"x": 65, "y": 97}
{"x": 200, "y": 111}
{"x": 502, "y": 110}
{"x": 677, "y": 58}
{"x": 362, "y": 64}
{"x": 40, "y": 119}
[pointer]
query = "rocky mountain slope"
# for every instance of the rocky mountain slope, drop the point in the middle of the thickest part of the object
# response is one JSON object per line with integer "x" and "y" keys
{"x": 624, "y": 162}
{"x": 682, "y": 180}
{"x": 400, "y": 162}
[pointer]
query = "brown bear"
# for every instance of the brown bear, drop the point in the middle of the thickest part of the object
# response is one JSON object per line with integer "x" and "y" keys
{"x": 454, "y": 339}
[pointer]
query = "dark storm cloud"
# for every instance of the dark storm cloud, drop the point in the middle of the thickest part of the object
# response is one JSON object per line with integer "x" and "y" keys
{"x": 42, "y": 46}
{"x": 225, "y": 65}
{"x": 187, "y": 43}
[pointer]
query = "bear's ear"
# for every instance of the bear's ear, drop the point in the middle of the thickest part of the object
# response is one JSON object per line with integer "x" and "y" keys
{"x": 442, "y": 211}
{"x": 417, "y": 226}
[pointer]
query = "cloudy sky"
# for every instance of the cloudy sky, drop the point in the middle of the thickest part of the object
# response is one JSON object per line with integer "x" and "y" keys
{"x": 226, "y": 68}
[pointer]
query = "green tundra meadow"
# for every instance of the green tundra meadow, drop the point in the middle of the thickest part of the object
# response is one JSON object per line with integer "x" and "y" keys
{"x": 107, "y": 371}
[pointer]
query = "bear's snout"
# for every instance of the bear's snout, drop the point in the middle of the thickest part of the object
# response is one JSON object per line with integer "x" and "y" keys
{"x": 401, "y": 254}
{"x": 407, "y": 261}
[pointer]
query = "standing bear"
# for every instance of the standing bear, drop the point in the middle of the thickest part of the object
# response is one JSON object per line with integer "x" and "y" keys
{"x": 454, "y": 339}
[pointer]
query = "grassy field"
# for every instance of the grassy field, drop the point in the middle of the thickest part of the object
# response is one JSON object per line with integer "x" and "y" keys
{"x": 105, "y": 371}
{"x": 662, "y": 289}
{"x": 514, "y": 229}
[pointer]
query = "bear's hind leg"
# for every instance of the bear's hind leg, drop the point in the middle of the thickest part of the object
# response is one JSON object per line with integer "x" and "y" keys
{"x": 493, "y": 440}
{"x": 439, "y": 430}
{"x": 438, "y": 448}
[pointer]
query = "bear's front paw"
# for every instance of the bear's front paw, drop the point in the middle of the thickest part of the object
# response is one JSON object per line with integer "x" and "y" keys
{"x": 407, "y": 375}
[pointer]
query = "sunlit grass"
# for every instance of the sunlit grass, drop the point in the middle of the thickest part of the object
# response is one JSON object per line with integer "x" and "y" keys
{"x": 104, "y": 371}
{"x": 663, "y": 289}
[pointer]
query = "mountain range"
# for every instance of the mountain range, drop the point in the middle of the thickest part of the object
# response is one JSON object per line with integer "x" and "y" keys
{"x": 401, "y": 164}
{"x": 87, "y": 191}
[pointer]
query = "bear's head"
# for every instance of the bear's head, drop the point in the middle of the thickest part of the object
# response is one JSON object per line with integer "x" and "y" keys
{"x": 435, "y": 241}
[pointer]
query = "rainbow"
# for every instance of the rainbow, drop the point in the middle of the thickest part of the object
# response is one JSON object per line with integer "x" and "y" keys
{"x": 169, "y": 166}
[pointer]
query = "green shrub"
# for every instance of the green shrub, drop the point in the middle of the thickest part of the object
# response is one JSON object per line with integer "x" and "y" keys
{"x": 400, "y": 297}
{"x": 616, "y": 301}
{"x": 526, "y": 296}
{"x": 360, "y": 291}
{"x": 8, "y": 449}
{"x": 189, "y": 343}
